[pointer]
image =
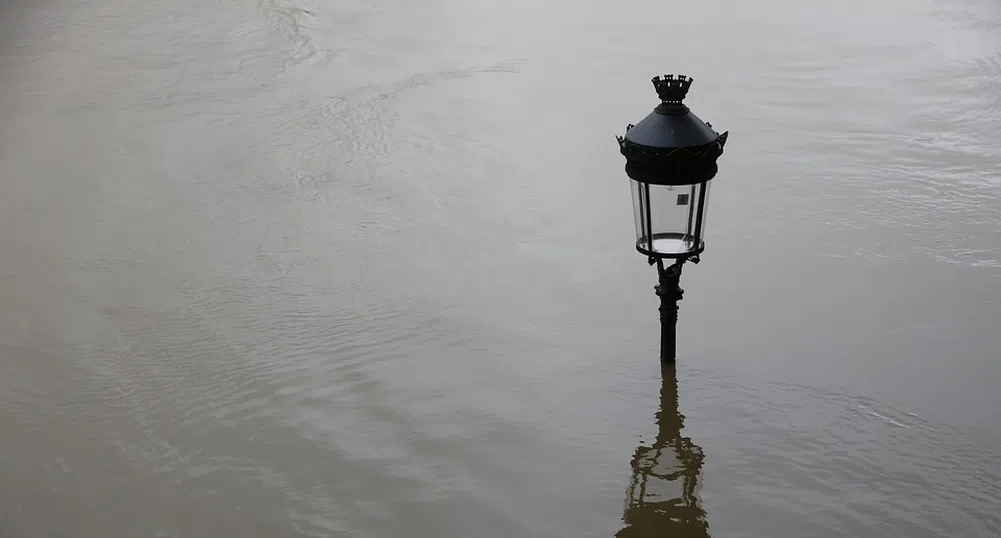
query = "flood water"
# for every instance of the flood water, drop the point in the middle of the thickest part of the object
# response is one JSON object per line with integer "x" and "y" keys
{"x": 346, "y": 268}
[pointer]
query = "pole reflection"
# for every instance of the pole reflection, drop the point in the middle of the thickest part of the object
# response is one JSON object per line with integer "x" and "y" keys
{"x": 661, "y": 501}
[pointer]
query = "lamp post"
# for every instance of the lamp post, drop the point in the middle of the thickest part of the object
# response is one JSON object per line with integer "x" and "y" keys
{"x": 671, "y": 159}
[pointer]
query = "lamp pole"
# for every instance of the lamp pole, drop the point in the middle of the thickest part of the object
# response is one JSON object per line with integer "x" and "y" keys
{"x": 670, "y": 292}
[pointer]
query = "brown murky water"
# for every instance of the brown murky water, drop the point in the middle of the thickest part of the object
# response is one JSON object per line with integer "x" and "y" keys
{"x": 366, "y": 269}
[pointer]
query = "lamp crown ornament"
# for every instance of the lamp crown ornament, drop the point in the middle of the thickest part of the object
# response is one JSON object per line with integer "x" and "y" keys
{"x": 672, "y": 89}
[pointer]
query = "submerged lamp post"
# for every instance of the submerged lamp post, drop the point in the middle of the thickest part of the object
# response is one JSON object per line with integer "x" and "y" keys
{"x": 670, "y": 158}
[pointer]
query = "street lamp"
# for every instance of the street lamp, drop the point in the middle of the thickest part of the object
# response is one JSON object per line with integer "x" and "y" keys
{"x": 670, "y": 158}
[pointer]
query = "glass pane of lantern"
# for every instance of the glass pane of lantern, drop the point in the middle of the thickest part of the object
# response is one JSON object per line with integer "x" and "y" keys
{"x": 705, "y": 210}
{"x": 670, "y": 215}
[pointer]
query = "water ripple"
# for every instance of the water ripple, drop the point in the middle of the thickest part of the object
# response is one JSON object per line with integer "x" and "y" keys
{"x": 854, "y": 462}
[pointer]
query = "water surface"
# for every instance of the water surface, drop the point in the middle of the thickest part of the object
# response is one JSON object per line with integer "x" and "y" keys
{"x": 365, "y": 269}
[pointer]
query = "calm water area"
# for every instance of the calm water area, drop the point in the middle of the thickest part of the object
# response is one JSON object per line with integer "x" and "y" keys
{"x": 288, "y": 268}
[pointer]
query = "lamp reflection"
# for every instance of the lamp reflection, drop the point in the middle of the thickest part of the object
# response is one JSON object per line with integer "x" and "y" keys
{"x": 661, "y": 501}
